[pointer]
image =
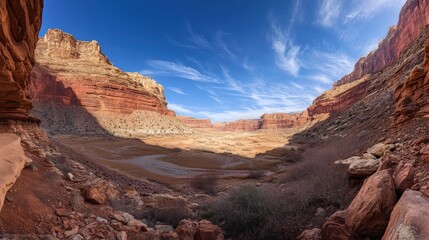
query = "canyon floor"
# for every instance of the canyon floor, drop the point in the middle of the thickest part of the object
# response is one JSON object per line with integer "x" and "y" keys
{"x": 174, "y": 159}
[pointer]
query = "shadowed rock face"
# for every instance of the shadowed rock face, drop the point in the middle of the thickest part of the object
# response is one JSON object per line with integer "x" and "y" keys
{"x": 412, "y": 98}
{"x": 19, "y": 28}
{"x": 81, "y": 67}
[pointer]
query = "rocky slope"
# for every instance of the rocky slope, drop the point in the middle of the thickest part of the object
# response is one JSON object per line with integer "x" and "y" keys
{"x": 354, "y": 86}
{"x": 391, "y": 111}
{"x": 75, "y": 89}
{"x": 20, "y": 24}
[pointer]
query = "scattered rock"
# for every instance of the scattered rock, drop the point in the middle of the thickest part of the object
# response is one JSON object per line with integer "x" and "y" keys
{"x": 368, "y": 156}
{"x": 369, "y": 212}
{"x": 138, "y": 224}
{"x": 61, "y": 212}
{"x": 72, "y": 232}
{"x": 94, "y": 195}
{"x": 379, "y": 149}
{"x": 363, "y": 167}
{"x": 102, "y": 220}
{"x": 424, "y": 152}
{"x": 70, "y": 176}
{"x": 164, "y": 228}
{"x": 348, "y": 161}
{"x": 208, "y": 231}
{"x": 313, "y": 234}
{"x": 409, "y": 218}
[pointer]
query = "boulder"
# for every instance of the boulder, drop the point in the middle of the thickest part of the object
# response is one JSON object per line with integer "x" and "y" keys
{"x": 404, "y": 176}
{"x": 99, "y": 191}
{"x": 363, "y": 167}
{"x": 379, "y": 149}
{"x": 369, "y": 212}
{"x": 409, "y": 218}
{"x": 12, "y": 161}
{"x": 335, "y": 228}
{"x": 424, "y": 152}
{"x": 313, "y": 234}
{"x": 94, "y": 195}
{"x": 203, "y": 230}
{"x": 348, "y": 161}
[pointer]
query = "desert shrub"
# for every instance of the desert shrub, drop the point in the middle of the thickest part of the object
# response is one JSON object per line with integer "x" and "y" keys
{"x": 205, "y": 182}
{"x": 171, "y": 216}
{"x": 249, "y": 213}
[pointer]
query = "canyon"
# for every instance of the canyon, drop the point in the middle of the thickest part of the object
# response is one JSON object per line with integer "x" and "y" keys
{"x": 90, "y": 151}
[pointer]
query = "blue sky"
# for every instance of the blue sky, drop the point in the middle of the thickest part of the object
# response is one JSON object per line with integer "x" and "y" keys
{"x": 231, "y": 59}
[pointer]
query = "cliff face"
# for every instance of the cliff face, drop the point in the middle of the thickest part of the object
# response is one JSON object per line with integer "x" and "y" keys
{"x": 195, "y": 122}
{"x": 76, "y": 89}
{"x": 20, "y": 24}
{"x": 412, "y": 98}
{"x": 357, "y": 85}
{"x": 80, "y": 67}
{"x": 412, "y": 19}
{"x": 246, "y": 125}
{"x": 283, "y": 120}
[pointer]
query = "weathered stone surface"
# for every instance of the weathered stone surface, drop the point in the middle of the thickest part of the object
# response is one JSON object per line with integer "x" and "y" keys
{"x": 312, "y": 234}
{"x": 335, "y": 228}
{"x": 19, "y": 28}
{"x": 379, "y": 149}
{"x": 203, "y": 230}
{"x": 99, "y": 191}
{"x": 363, "y": 167}
{"x": 369, "y": 212}
{"x": 404, "y": 176}
{"x": 12, "y": 161}
{"x": 409, "y": 218}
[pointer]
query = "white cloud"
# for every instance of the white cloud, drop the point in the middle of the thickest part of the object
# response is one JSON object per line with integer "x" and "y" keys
{"x": 322, "y": 78}
{"x": 177, "y": 90}
{"x": 367, "y": 9}
{"x": 286, "y": 53}
{"x": 223, "y": 46}
{"x": 177, "y": 70}
{"x": 329, "y": 12}
{"x": 180, "y": 108}
{"x": 328, "y": 66}
{"x": 198, "y": 40}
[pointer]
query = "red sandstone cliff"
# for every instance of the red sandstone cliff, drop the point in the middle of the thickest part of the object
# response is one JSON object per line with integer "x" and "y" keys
{"x": 69, "y": 67}
{"x": 412, "y": 19}
{"x": 412, "y": 96}
{"x": 20, "y": 24}
{"x": 355, "y": 86}
{"x": 76, "y": 89}
{"x": 245, "y": 125}
{"x": 195, "y": 122}
{"x": 283, "y": 120}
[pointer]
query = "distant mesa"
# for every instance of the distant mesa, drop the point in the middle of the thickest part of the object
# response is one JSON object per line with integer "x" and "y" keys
{"x": 75, "y": 88}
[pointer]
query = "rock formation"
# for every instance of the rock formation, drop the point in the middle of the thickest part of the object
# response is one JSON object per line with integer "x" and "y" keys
{"x": 76, "y": 89}
{"x": 246, "y": 125}
{"x": 283, "y": 120}
{"x": 357, "y": 85}
{"x": 20, "y": 24}
{"x": 195, "y": 122}
{"x": 412, "y": 98}
{"x": 412, "y": 19}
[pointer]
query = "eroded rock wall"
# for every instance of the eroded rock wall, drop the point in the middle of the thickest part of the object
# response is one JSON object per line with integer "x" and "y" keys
{"x": 19, "y": 28}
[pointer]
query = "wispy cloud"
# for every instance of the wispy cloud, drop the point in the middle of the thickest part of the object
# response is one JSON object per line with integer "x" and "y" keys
{"x": 177, "y": 90}
{"x": 220, "y": 42}
{"x": 329, "y": 12}
{"x": 198, "y": 40}
{"x": 160, "y": 67}
{"x": 366, "y": 9}
{"x": 286, "y": 53}
{"x": 180, "y": 108}
{"x": 328, "y": 67}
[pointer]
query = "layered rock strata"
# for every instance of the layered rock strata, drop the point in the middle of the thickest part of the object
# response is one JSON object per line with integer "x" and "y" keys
{"x": 195, "y": 122}
{"x": 76, "y": 89}
{"x": 19, "y": 28}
